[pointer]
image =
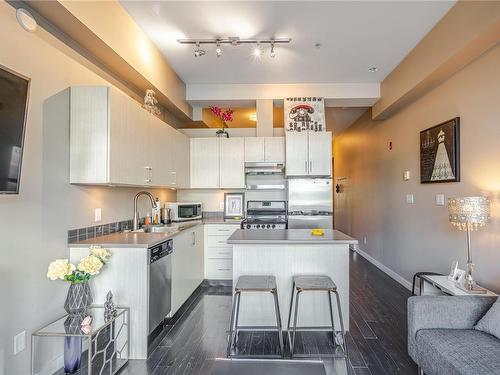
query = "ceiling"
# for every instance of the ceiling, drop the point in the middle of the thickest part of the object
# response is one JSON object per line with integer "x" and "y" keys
{"x": 354, "y": 36}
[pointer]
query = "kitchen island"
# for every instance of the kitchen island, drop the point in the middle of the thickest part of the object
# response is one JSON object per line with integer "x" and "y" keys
{"x": 285, "y": 253}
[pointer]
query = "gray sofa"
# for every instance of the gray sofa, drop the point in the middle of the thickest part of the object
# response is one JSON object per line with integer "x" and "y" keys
{"x": 442, "y": 339}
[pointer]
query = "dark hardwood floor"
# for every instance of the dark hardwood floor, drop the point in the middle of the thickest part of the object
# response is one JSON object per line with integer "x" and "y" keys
{"x": 376, "y": 342}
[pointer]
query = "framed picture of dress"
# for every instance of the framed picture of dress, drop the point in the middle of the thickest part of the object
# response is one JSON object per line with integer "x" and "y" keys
{"x": 440, "y": 153}
{"x": 234, "y": 205}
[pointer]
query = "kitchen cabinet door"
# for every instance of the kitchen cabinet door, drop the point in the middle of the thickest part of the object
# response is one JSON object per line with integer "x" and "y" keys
{"x": 205, "y": 163}
{"x": 232, "y": 162}
{"x": 187, "y": 265}
{"x": 159, "y": 156}
{"x": 297, "y": 161}
{"x": 275, "y": 149}
{"x": 129, "y": 132}
{"x": 181, "y": 158}
{"x": 320, "y": 154}
{"x": 254, "y": 149}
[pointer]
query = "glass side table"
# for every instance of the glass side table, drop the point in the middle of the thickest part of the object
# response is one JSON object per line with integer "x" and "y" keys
{"x": 104, "y": 349}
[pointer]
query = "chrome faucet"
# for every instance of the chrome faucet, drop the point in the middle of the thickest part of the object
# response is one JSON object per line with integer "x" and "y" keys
{"x": 136, "y": 213}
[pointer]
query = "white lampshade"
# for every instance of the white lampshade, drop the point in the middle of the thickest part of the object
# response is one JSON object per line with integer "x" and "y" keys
{"x": 469, "y": 212}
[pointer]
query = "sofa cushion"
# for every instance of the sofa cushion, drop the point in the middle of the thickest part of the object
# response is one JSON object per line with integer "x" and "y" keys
{"x": 457, "y": 352}
{"x": 490, "y": 322}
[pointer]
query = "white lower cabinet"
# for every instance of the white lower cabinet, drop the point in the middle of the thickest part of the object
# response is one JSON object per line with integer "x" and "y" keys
{"x": 187, "y": 265}
{"x": 218, "y": 254}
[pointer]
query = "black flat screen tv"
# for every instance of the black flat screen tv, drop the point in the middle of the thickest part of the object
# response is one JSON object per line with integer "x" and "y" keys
{"x": 14, "y": 90}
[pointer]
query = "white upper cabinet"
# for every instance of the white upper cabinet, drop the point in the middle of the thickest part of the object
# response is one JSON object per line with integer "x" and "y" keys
{"x": 309, "y": 154}
{"x": 115, "y": 141}
{"x": 254, "y": 149}
{"x": 265, "y": 149}
{"x": 205, "y": 163}
{"x": 297, "y": 158}
{"x": 274, "y": 149}
{"x": 217, "y": 163}
{"x": 232, "y": 162}
{"x": 320, "y": 154}
{"x": 181, "y": 158}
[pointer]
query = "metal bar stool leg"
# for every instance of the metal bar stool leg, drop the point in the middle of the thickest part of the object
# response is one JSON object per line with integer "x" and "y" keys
{"x": 344, "y": 343}
{"x": 290, "y": 316}
{"x": 292, "y": 347}
{"x": 331, "y": 316}
{"x": 231, "y": 327}
{"x": 236, "y": 319}
{"x": 278, "y": 322}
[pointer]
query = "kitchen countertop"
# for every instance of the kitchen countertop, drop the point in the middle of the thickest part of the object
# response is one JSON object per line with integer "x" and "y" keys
{"x": 137, "y": 239}
{"x": 220, "y": 220}
{"x": 289, "y": 236}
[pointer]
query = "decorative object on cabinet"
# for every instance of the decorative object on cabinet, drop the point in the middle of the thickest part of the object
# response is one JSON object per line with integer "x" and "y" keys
{"x": 440, "y": 152}
{"x": 305, "y": 114}
{"x": 109, "y": 307}
{"x": 233, "y": 205}
{"x": 151, "y": 103}
{"x": 468, "y": 214}
{"x": 225, "y": 117}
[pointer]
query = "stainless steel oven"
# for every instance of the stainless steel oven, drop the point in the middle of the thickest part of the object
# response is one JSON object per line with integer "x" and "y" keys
{"x": 184, "y": 211}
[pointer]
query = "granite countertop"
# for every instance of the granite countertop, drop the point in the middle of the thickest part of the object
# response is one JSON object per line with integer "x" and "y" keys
{"x": 289, "y": 236}
{"x": 220, "y": 220}
{"x": 137, "y": 239}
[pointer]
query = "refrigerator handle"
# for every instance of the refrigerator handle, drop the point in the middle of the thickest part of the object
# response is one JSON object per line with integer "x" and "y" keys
{"x": 305, "y": 170}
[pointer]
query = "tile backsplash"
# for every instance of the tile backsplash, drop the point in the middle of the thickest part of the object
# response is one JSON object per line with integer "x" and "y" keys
{"x": 81, "y": 234}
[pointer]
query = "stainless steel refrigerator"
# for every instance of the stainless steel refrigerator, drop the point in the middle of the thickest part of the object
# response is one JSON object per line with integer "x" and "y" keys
{"x": 310, "y": 203}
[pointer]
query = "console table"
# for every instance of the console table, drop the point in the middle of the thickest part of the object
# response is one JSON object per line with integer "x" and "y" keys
{"x": 105, "y": 348}
{"x": 437, "y": 285}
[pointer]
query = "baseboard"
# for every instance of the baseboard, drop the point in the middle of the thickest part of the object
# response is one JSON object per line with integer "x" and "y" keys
{"x": 397, "y": 277}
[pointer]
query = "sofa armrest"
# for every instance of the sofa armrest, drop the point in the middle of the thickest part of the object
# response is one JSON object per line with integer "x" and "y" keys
{"x": 452, "y": 312}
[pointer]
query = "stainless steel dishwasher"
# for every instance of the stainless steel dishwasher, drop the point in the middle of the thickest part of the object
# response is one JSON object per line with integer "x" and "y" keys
{"x": 160, "y": 283}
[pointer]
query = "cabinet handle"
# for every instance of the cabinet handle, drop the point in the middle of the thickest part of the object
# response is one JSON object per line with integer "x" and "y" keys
{"x": 306, "y": 167}
{"x": 148, "y": 174}
{"x": 310, "y": 166}
{"x": 194, "y": 238}
{"x": 223, "y": 269}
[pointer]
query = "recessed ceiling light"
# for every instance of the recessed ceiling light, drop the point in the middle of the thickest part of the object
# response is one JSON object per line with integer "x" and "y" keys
{"x": 373, "y": 69}
{"x": 26, "y": 20}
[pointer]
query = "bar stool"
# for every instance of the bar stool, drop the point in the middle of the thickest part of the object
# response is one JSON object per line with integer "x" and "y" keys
{"x": 316, "y": 283}
{"x": 254, "y": 284}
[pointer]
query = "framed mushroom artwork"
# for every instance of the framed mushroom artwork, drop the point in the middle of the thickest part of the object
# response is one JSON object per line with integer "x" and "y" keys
{"x": 440, "y": 153}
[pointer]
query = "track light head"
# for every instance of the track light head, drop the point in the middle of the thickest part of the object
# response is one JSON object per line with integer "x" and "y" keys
{"x": 218, "y": 50}
{"x": 258, "y": 51}
{"x": 198, "y": 52}
{"x": 272, "y": 53}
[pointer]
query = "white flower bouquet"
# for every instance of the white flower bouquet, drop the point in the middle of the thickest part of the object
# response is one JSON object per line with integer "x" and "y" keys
{"x": 91, "y": 265}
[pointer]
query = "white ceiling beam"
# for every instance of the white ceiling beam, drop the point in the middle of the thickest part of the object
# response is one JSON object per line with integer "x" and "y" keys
{"x": 335, "y": 94}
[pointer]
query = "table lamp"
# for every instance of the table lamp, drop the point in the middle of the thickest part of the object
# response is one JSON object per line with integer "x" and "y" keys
{"x": 468, "y": 214}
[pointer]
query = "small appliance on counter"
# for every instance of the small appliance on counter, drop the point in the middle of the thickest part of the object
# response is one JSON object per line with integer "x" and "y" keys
{"x": 310, "y": 203}
{"x": 265, "y": 215}
{"x": 185, "y": 211}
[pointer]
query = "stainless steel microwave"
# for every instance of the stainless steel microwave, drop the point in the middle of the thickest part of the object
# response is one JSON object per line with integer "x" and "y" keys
{"x": 184, "y": 211}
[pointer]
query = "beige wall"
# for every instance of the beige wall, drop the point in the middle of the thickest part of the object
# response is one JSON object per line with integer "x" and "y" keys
{"x": 33, "y": 224}
{"x": 410, "y": 238}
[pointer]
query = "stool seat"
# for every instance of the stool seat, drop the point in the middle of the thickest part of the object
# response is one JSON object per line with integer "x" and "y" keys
{"x": 314, "y": 282}
{"x": 256, "y": 284}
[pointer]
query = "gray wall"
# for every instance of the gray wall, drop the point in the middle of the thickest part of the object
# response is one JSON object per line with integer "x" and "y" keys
{"x": 33, "y": 224}
{"x": 410, "y": 238}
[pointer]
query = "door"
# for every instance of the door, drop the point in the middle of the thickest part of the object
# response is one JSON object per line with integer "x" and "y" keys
{"x": 297, "y": 163}
{"x": 342, "y": 210}
{"x": 320, "y": 153}
{"x": 232, "y": 163}
{"x": 275, "y": 149}
{"x": 205, "y": 163}
{"x": 254, "y": 149}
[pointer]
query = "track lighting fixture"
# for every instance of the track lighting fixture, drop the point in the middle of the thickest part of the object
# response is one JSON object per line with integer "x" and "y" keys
{"x": 235, "y": 41}
{"x": 198, "y": 51}
{"x": 218, "y": 50}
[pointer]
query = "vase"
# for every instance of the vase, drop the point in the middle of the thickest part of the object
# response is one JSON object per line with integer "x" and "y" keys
{"x": 73, "y": 344}
{"x": 79, "y": 299}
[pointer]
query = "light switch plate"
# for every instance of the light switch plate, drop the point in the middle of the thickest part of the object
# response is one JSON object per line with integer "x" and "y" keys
{"x": 97, "y": 215}
{"x": 19, "y": 342}
{"x": 410, "y": 199}
{"x": 439, "y": 199}
{"x": 406, "y": 175}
